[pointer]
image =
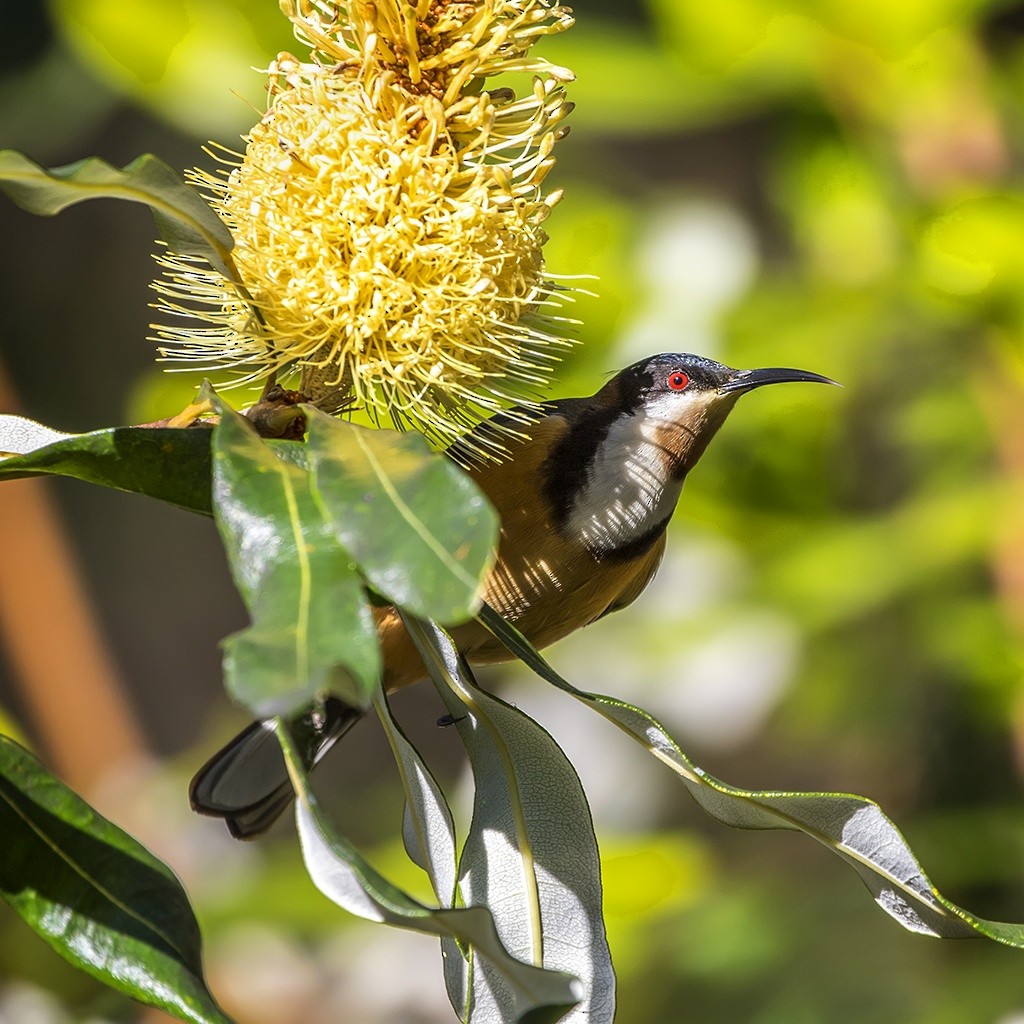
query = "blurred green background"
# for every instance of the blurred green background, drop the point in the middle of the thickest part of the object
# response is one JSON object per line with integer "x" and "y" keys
{"x": 831, "y": 185}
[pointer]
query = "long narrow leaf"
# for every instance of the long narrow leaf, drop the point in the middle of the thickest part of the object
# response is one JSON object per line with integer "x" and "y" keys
{"x": 531, "y": 849}
{"x": 428, "y": 832}
{"x": 345, "y": 877}
{"x": 186, "y": 222}
{"x": 421, "y": 530}
{"x": 172, "y": 465}
{"x": 427, "y": 827}
{"x": 854, "y": 828}
{"x": 98, "y": 897}
{"x": 312, "y": 627}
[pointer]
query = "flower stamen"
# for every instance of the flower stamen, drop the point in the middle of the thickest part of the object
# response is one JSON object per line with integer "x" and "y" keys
{"x": 386, "y": 215}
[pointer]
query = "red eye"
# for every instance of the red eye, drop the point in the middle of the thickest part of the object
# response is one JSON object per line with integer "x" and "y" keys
{"x": 677, "y": 380}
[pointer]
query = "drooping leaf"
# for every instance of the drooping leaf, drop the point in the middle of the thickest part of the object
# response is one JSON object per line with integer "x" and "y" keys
{"x": 422, "y": 532}
{"x": 185, "y": 220}
{"x": 345, "y": 877}
{"x": 531, "y": 849}
{"x": 98, "y": 897}
{"x": 427, "y": 826}
{"x": 172, "y": 465}
{"x": 428, "y": 833}
{"x": 851, "y": 826}
{"x": 312, "y": 627}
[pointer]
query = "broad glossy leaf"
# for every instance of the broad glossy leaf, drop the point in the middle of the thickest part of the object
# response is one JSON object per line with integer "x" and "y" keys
{"x": 172, "y": 465}
{"x": 312, "y": 627}
{"x": 98, "y": 897}
{"x": 427, "y": 826}
{"x": 531, "y": 852}
{"x": 185, "y": 220}
{"x": 345, "y": 877}
{"x": 421, "y": 531}
{"x": 851, "y": 826}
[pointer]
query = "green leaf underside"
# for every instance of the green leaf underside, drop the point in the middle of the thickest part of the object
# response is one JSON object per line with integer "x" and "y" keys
{"x": 95, "y": 895}
{"x": 428, "y": 829}
{"x": 347, "y": 879}
{"x": 422, "y": 532}
{"x": 428, "y": 833}
{"x": 186, "y": 222}
{"x": 531, "y": 848}
{"x": 851, "y": 826}
{"x": 312, "y": 626}
{"x": 19, "y": 436}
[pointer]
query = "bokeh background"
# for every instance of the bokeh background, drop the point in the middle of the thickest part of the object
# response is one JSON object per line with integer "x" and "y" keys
{"x": 824, "y": 184}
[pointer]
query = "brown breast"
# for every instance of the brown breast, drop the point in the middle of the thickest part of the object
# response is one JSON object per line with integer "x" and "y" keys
{"x": 547, "y": 585}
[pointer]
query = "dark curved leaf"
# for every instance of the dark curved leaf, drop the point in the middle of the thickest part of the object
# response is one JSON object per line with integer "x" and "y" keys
{"x": 851, "y": 826}
{"x": 185, "y": 220}
{"x": 98, "y": 897}
{"x": 165, "y": 463}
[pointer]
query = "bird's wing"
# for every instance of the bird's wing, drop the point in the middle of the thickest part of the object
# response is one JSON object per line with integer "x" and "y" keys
{"x": 513, "y": 484}
{"x": 502, "y": 433}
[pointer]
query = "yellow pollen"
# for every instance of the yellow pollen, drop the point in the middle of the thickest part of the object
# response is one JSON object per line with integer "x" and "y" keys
{"x": 386, "y": 216}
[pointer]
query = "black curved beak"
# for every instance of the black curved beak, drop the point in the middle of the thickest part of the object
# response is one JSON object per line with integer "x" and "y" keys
{"x": 747, "y": 380}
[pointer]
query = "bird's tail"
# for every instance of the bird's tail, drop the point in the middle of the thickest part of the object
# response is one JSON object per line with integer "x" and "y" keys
{"x": 246, "y": 782}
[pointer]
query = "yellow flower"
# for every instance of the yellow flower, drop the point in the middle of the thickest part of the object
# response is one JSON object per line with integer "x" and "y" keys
{"x": 387, "y": 215}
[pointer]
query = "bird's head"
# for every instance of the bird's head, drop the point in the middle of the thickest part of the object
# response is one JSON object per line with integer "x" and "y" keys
{"x": 614, "y": 475}
{"x": 678, "y": 400}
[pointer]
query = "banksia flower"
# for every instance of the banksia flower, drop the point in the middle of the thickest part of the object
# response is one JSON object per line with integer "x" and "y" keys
{"x": 387, "y": 216}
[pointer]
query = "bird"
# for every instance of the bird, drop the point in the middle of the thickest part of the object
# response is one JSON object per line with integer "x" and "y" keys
{"x": 584, "y": 494}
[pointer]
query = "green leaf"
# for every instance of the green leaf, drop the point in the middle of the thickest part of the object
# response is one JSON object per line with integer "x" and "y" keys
{"x": 98, "y": 897}
{"x": 165, "y": 463}
{"x": 531, "y": 849}
{"x": 345, "y": 877}
{"x": 185, "y": 220}
{"x": 428, "y": 830}
{"x": 854, "y": 828}
{"x": 422, "y": 532}
{"x": 428, "y": 833}
{"x": 312, "y": 626}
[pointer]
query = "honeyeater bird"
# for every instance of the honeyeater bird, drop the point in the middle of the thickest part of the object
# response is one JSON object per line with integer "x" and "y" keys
{"x": 584, "y": 497}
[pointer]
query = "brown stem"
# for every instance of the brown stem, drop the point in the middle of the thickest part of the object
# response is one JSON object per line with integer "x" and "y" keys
{"x": 278, "y": 414}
